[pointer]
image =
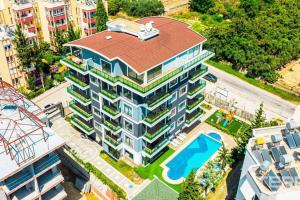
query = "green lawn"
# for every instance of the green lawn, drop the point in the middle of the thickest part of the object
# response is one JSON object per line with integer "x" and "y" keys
{"x": 270, "y": 88}
{"x": 232, "y": 128}
{"x": 154, "y": 169}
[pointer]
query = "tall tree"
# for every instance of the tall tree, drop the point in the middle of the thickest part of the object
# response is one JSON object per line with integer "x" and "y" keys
{"x": 60, "y": 38}
{"x": 251, "y": 7}
{"x": 72, "y": 34}
{"x": 191, "y": 189}
{"x": 201, "y": 5}
{"x": 260, "y": 119}
{"x": 24, "y": 51}
{"x": 101, "y": 16}
{"x": 224, "y": 156}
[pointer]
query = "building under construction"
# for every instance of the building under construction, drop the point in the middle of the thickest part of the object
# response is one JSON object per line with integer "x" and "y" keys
{"x": 28, "y": 162}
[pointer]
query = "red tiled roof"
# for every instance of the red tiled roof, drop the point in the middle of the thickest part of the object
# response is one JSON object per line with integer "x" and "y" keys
{"x": 174, "y": 38}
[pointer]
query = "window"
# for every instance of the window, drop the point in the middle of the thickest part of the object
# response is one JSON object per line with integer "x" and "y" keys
{"x": 154, "y": 73}
{"x": 127, "y": 94}
{"x": 96, "y": 111}
{"x": 106, "y": 66}
{"x": 94, "y": 80}
{"x": 7, "y": 47}
{"x": 128, "y": 110}
{"x": 95, "y": 96}
{"x": 180, "y": 120}
{"x": 172, "y": 127}
{"x": 196, "y": 50}
{"x": 97, "y": 125}
{"x": 128, "y": 126}
{"x": 183, "y": 76}
{"x": 134, "y": 76}
{"x": 181, "y": 106}
{"x": 129, "y": 141}
{"x": 173, "y": 83}
{"x": 173, "y": 112}
{"x": 9, "y": 59}
{"x": 174, "y": 97}
{"x": 182, "y": 91}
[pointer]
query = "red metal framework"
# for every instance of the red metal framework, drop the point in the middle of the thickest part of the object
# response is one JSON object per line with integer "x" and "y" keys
{"x": 15, "y": 131}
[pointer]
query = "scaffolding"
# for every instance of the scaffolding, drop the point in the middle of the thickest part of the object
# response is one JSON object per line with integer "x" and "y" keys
{"x": 17, "y": 128}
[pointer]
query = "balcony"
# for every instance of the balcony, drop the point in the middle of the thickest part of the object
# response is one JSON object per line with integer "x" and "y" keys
{"x": 196, "y": 75}
{"x": 111, "y": 126}
{"x": 156, "y": 116}
{"x": 157, "y": 131}
{"x": 109, "y": 95}
{"x": 193, "y": 117}
{"x": 25, "y": 194}
{"x": 46, "y": 163}
{"x": 56, "y": 17}
{"x": 193, "y": 104}
{"x": 31, "y": 29}
{"x": 17, "y": 180}
{"x": 113, "y": 141}
{"x": 56, "y": 193}
{"x": 75, "y": 64}
{"x": 79, "y": 82}
{"x": 195, "y": 89}
{"x": 91, "y": 30}
{"x": 83, "y": 126}
{"x": 80, "y": 111}
{"x": 57, "y": 27}
{"x": 25, "y": 19}
{"x": 89, "y": 20}
{"x": 79, "y": 96}
{"x": 151, "y": 151}
{"x": 48, "y": 180}
{"x": 111, "y": 111}
{"x": 158, "y": 99}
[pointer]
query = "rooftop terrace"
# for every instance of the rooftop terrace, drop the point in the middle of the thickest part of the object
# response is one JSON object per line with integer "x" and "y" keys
{"x": 24, "y": 138}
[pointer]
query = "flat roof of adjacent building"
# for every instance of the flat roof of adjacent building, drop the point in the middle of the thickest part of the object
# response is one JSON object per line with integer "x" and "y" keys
{"x": 141, "y": 55}
{"x": 24, "y": 138}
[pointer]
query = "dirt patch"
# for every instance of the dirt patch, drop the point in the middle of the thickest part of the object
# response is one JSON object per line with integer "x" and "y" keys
{"x": 290, "y": 80}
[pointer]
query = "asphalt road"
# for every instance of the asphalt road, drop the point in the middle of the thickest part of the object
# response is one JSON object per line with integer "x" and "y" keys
{"x": 248, "y": 96}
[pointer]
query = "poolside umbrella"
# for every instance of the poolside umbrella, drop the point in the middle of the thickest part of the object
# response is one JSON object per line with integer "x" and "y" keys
{"x": 286, "y": 159}
{"x": 265, "y": 165}
{"x": 260, "y": 140}
{"x": 276, "y": 138}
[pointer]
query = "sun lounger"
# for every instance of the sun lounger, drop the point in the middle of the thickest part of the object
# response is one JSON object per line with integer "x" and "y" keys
{"x": 173, "y": 143}
{"x": 295, "y": 176}
{"x": 286, "y": 178}
{"x": 266, "y": 155}
{"x": 282, "y": 150}
{"x": 176, "y": 141}
{"x": 296, "y": 138}
{"x": 180, "y": 138}
{"x": 290, "y": 141}
{"x": 182, "y": 135}
{"x": 276, "y": 154}
{"x": 272, "y": 181}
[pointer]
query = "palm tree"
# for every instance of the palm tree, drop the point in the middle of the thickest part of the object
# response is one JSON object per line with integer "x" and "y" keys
{"x": 224, "y": 156}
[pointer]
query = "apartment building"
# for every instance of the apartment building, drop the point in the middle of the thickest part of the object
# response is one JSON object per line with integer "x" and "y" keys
{"x": 28, "y": 169}
{"x": 271, "y": 169}
{"x": 137, "y": 84}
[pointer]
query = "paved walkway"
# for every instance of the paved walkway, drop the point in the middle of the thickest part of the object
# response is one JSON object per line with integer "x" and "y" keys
{"x": 89, "y": 151}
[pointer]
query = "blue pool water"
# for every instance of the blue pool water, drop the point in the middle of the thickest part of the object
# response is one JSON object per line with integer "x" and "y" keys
{"x": 215, "y": 135}
{"x": 192, "y": 157}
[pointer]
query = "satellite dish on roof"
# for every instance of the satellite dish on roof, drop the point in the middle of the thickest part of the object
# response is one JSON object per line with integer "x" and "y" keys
{"x": 142, "y": 28}
{"x": 148, "y": 27}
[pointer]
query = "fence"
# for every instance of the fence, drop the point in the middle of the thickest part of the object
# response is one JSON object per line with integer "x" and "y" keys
{"x": 229, "y": 106}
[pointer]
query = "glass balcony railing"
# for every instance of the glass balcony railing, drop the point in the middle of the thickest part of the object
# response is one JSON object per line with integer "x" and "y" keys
{"x": 113, "y": 141}
{"x": 158, "y": 129}
{"x": 87, "y": 128}
{"x": 77, "y": 65}
{"x": 197, "y": 73}
{"x": 110, "y": 94}
{"x": 45, "y": 163}
{"x": 76, "y": 80}
{"x": 111, "y": 126}
{"x": 157, "y": 99}
{"x": 111, "y": 110}
{"x": 196, "y": 88}
{"x": 152, "y": 85}
{"x": 79, "y": 109}
{"x": 18, "y": 179}
{"x": 191, "y": 118}
{"x": 78, "y": 96}
{"x": 194, "y": 102}
{"x": 151, "y": 150}
{"x": 156, "y": 115}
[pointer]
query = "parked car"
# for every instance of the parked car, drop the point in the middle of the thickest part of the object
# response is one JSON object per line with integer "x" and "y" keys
{"x": 49, "y": 111}
{"x": 210, "y": 77}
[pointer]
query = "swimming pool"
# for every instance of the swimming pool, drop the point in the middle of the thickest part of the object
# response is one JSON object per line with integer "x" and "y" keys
{"x": 215, "y": 135}
{"x": 192, "y": 157}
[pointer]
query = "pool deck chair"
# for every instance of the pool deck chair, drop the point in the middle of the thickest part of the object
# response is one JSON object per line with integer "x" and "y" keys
{"x": 272, "y": 181}
{"x": 287, "y": 180}
{"x": 276, "y": 154}
{"x": 266, "y": 155}
{"x": 295, "y": 176}
{"x": 290, "y": 141}
{"x": 282, "y": 150}
{"x": 296, "y": 139}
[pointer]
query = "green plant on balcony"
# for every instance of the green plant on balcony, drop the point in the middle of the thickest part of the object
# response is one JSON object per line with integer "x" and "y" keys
{"x": 110, "y": 94}
{"x": 157, "y": 99}
{"x": 150, "y": 150}
{"x": 68, "y": 60}
{"x": 76, "y": 80}
{"x": 152, "y": 134}
{"x": 77, "y": 108}
{"x": 194, "y": 117}
{"x": 77, "y": 95}
{"x": 112, "y": 141}
{"x": 197, "y": 73}
{"x": 81, "y": 124}
{"x": 156, "y": 115}
{"x": 196, "y": 88}
{"x": 111, "y": 110}
{"x": 111, "y": 125}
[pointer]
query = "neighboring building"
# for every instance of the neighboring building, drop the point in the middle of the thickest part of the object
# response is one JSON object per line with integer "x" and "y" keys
{"x": 135, "y": 86}
{"x": 278, "y": 178}
{"x": 28, "y": 167}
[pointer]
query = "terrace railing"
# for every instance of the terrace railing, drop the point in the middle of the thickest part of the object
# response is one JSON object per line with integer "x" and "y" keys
{"x": 72, "y": 78}
{"x": 111, "y": 126}
{"x": 111, "y": 110}
{"x": 83, "y": 125}
{"x": 86, "y": 113}
{"x": 152, "y": 150}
